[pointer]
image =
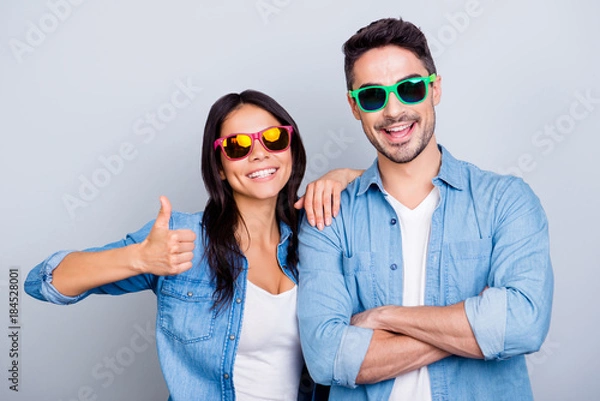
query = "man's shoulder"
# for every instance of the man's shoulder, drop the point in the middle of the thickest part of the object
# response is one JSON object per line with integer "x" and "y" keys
{"x": 357, "y": 192}
{"x": 484, "y": 175}
{"x": 361, "y": 184}
{"x": 489, "y": 187}
{"x": 476, "y": 177}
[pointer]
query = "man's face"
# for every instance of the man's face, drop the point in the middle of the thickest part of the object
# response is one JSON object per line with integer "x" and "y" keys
{"x": 399, "y": 131}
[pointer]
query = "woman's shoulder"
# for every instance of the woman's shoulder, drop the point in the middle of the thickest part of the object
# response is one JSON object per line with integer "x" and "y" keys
{"x": 184, "y": 220}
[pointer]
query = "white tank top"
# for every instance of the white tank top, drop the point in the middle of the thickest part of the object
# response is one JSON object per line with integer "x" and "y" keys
{"x": 268, "y": 361}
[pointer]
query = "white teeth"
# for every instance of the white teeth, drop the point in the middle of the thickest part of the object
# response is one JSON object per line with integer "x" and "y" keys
{"x": 262, "y": 173}
{"x": 398, "y": 129}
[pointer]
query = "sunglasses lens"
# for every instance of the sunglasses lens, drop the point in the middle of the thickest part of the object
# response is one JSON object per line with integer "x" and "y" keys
{"x": 276, "y": 138}
{"x": 372, "y": 98}
{"x": 237, "y": 146}
{"x": 412, "y": 92}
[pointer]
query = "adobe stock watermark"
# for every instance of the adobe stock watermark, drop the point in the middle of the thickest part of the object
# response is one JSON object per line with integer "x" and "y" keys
{"x": 37, "y": 32}
{"x": 145, "y": 128}
{"x": 105, "y": 372}
{"x": 542, "y": 356}
{"x": 14, "y": 328}
{"x": 267, "y": 9}
{"x": 334, "y": 146}
{"x": 458, "y": 23}
{"x": 546, "y": 139}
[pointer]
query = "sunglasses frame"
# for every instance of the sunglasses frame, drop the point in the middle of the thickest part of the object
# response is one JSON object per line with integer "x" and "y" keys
{"x": 254, "y": 136}
{"x": 393, "y": 88}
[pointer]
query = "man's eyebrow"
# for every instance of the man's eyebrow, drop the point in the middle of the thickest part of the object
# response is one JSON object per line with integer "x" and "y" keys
{"x": 400, "y": 80}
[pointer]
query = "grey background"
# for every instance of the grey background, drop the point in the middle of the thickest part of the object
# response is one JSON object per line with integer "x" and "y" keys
{"x": 510, "y": 71}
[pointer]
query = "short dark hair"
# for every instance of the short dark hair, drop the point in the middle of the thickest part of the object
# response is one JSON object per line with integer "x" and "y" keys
{"x": 383, "y": 32}
{"x": 221, "y": 216}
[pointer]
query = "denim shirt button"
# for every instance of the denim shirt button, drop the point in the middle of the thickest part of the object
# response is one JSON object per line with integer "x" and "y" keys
{"x": 238, "y": 300}
{"x": 232, "y": 337}
{"x": 394, "y": 266}
{"x": 226, "y": 376}
{"x": 393, "y": 221}
{"x": 190, "y": 294}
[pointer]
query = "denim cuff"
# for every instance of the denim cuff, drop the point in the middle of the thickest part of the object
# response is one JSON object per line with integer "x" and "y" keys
{"x": 50, "y": 293}
{"x": 350, "y": 355}
{"x": 487, "y": 316}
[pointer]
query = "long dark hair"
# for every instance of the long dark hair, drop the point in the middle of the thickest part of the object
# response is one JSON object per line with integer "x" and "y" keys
{"x": 221, "y": 216}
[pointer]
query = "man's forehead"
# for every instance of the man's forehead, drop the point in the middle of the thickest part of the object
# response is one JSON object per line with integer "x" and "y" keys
{"x": 387, "y": 63}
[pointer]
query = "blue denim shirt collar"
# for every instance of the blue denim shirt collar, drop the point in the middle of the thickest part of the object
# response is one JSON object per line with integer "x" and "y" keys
{"x": 285, "y": 232}
{"x": 450, "y": 173}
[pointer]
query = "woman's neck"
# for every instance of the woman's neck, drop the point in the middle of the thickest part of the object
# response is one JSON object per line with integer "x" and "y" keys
{"x": 258, "y": 223}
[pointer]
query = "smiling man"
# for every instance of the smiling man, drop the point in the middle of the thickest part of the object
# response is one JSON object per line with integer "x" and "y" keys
{"x": 435, "y": 279}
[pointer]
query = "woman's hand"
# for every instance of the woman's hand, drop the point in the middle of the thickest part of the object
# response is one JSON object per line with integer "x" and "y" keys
{"x": 166, "y": 252}
{"x": 163, "y": 252}
{"x": 322, "y": 198}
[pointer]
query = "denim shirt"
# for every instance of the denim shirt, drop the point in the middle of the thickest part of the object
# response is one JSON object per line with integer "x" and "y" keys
{"x": 487, "y": 231}
{"x": 196, "y": 346}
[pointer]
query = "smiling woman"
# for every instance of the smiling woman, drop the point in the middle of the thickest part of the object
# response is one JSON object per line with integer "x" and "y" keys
{"x": 217, "y": 272}
{"x": 263, "y": 170}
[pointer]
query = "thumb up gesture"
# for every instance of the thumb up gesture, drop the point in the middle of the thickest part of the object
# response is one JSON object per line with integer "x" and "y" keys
{"x": 167, "y": 252}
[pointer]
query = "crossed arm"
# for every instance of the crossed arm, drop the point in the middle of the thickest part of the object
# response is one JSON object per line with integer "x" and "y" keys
{"x": 408, "y": 338}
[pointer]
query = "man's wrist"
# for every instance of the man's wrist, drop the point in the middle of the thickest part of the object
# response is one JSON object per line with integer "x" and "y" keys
{"x": 387, "y": 316}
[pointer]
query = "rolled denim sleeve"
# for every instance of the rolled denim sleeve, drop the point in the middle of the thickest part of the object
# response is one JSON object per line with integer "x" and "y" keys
{"x": 512, "y": 317}
{"x": 333, "y": 349}
{"x": 39, "y": 280}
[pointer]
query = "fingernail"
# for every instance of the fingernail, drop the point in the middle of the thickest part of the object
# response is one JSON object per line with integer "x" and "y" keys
{"x": 328, "y": 221}
{"x": 311, "y": 222}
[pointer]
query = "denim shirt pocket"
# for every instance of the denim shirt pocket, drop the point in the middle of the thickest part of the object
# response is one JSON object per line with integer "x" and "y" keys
{"x": 185, "y": 309}
{"x": 360, "y": 280}
{"x": 467, "y": 266}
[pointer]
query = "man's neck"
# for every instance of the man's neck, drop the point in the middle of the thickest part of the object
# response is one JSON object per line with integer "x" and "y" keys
{"x": 411, "y": 182}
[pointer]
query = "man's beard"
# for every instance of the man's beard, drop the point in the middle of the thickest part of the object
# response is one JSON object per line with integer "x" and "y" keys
{"x": 401, "y": 153}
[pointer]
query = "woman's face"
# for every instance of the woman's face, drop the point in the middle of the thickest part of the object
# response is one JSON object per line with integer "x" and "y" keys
{"x": 262, "y": 174}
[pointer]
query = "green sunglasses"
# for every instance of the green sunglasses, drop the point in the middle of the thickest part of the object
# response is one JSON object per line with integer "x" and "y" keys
{"x": 408, "y": 91}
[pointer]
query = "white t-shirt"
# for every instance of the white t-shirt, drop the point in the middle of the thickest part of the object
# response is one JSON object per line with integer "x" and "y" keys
{"x": 268, "y": 362}
{"x": 415, "y": 226}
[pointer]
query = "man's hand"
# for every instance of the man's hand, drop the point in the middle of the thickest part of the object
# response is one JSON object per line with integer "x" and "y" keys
{"x": 166, "y": 252}
{"x": 322, "y": 198}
